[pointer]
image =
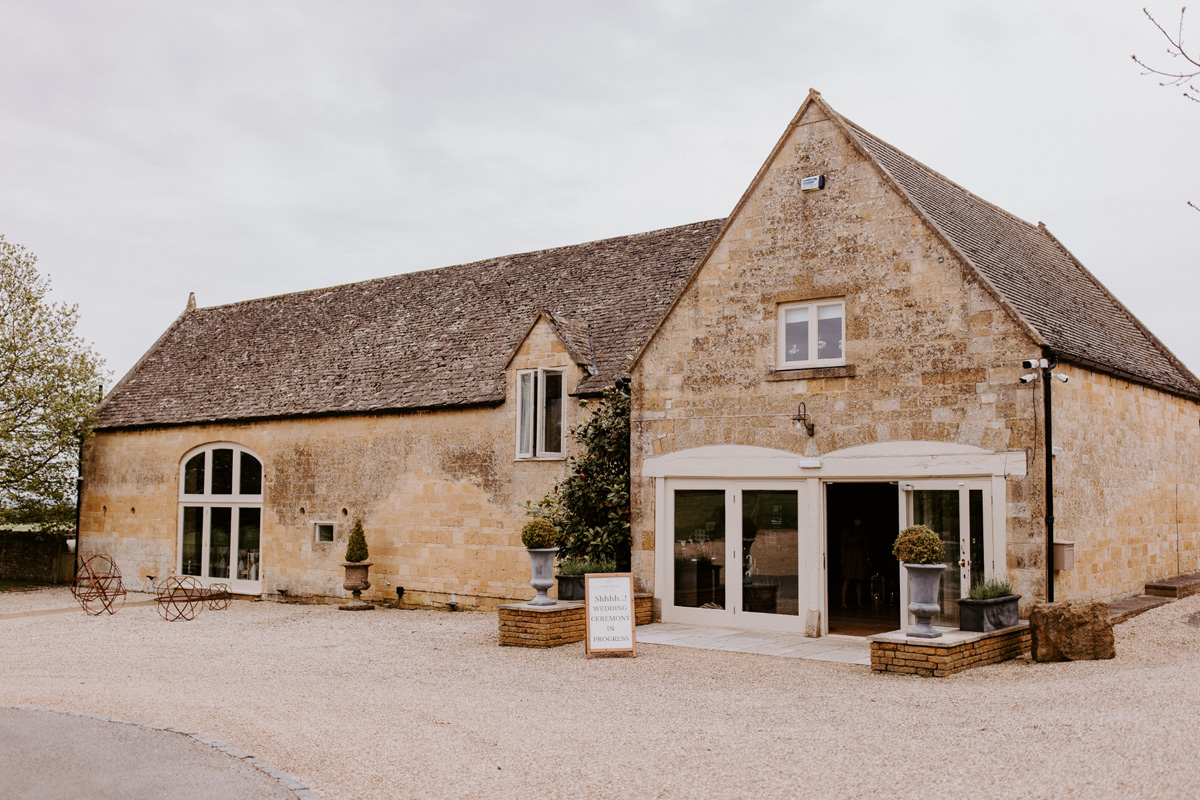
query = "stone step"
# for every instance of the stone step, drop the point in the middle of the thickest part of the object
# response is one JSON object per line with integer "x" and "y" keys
{"x": 1176, "y": 588}
{"x": 1130, "y": 607}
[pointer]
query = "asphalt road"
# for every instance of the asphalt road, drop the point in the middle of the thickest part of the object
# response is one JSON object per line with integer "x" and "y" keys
{"x": 50, "y": 755}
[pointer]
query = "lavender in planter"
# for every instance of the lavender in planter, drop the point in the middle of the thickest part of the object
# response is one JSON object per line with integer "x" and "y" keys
{"x": 991, "y": 605}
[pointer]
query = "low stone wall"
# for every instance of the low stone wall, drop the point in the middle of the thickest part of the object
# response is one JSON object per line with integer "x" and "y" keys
{"x": 953, "y": 652}
{"x": 523, "y": 625}
{"x": 35, "y": 556}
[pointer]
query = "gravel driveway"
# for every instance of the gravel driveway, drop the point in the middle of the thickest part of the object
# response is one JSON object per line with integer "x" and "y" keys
{"x": 425, "y": 705}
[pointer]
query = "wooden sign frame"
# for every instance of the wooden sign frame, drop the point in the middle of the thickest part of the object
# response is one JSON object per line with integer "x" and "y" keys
{"x": 617, "y": 607}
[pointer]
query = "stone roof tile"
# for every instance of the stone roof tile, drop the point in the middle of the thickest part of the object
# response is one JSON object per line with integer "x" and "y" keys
{"x": 432, "y": 339}
{"x": 1051, "y": 291}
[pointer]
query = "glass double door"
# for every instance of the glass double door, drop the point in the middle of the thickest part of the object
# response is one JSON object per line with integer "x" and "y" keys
{"x": 736, "y": 556}
{"x": 957, "y": 512}
{"x": 221, "y": 544}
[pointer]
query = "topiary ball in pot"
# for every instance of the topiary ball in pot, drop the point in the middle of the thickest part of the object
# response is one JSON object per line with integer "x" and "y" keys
{"x": 540, "y": 537}
{"x": 917, "y": 544}
{"x": 356, "y": 547}
{"x": 539, "y": 534}
{"x": 921, "y": 552}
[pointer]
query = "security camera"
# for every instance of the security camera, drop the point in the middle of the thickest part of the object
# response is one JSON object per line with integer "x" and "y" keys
{"x": 1033, "y": 363}
{"x": 1030, "y": 378}
{"x": 1061, "y": 377}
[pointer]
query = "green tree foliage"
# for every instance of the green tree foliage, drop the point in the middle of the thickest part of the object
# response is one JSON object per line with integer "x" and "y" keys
{"x": 590, "y": 507}
{"x": 48, "y": 385}
{"x": 356, "y": 547}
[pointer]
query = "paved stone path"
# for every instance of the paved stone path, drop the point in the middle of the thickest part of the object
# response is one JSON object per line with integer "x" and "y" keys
{"x": 51, "y": 755}
{"x": 843, "y": 649}
{"x": 68, "y": 610}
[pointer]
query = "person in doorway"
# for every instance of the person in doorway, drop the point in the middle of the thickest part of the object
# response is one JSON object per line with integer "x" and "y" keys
{"x": 856, "y": 566}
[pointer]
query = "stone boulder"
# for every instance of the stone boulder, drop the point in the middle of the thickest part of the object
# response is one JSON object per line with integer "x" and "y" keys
{"x": 1071, "y": 631}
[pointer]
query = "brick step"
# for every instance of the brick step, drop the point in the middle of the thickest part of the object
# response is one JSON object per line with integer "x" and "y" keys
{"x": 1175, "y": 588}
{"x": 1130, "y": 607}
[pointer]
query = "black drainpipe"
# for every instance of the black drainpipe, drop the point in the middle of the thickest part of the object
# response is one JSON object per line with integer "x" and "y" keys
{"x": 1047, "y": 380}
{"x": 78, "y": 505}
{"x": 79, "y": 490}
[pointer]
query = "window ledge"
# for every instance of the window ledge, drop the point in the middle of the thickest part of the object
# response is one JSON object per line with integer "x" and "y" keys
{"x": 540, "y": 458}
{"x": 805, "y": 373}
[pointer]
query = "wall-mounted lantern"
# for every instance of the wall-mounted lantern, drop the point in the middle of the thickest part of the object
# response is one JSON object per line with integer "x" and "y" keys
{"x": 802, "y": 418}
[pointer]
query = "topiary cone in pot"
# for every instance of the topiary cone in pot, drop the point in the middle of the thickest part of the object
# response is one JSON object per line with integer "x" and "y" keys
{"x": 357, "y": 568}
{"x": 920, "y": 551}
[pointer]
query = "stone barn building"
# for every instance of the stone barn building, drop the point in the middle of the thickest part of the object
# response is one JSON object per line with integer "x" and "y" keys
{"x": 891, "y": 309}
{"x": 852, "y": 289}
{"x": 432, "y": 405}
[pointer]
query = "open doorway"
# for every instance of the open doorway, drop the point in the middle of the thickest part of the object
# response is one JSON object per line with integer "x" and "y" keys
{"x": 863, "y": 577}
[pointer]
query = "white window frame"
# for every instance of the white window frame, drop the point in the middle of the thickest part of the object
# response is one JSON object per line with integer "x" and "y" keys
{"x": 536, "y": 417}
{"x": 317, "y": 531}
{"x": 235, "y": 500}
{"x": 810, "y": 359}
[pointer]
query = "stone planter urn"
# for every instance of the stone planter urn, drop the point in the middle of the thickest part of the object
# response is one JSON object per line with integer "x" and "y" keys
{"x": 541, "y": 559}
{"x": 924, "y": 580}
{"x": 356, "y": 582}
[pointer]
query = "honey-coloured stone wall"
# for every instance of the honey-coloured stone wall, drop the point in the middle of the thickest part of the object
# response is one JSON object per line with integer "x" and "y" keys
{"x": 1126, "y": 484}
{"x": 931, "y": 353}
{"x": 440, "y": 493}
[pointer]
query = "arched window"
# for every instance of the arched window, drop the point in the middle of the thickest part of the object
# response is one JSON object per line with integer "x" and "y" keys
{"x": 220, "y": 517}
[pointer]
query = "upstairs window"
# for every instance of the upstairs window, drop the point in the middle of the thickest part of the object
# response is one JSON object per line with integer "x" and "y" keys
{"x": 540, "y": 395}
{"x": 812, "y": 334}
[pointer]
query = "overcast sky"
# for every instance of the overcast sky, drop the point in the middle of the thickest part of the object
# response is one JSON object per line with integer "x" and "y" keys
{"x": 240, "y": 150}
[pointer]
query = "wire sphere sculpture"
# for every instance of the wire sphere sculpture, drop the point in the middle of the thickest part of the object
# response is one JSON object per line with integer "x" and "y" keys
{"x": 98, "y": 586}
{"x": 218, "y": 597}
{"x": 180, "y": 597}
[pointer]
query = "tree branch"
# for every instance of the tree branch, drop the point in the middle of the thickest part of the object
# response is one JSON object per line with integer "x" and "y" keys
{"x": 1176, "y": 50}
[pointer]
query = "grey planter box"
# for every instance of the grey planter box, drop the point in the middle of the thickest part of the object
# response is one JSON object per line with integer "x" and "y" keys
{"x": 981, "y": 616}
{"x": 570, "y": 587}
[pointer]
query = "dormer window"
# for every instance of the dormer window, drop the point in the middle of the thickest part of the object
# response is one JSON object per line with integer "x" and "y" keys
{"x": 811, "y": 334}
{"x": 540, "y": 413}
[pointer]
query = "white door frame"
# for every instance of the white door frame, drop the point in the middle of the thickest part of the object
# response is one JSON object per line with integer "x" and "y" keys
{"x": 964, "y": 488}
{"x": 236, "y": 585}
{"x": 742, "y": 466}
{"x": 733, "y": 614}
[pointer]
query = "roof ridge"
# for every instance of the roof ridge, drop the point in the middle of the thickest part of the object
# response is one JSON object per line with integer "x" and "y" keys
{"x": 1176, "y": 378}
{"x": 858, "y": 129}
{"x": 526, "y": 254}
{"x": 1137, "y": 323}
{"x": 852, "y": 132}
